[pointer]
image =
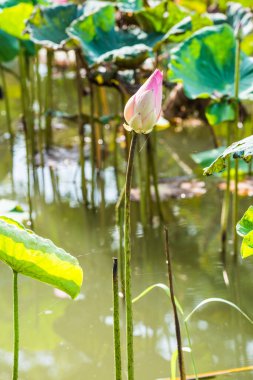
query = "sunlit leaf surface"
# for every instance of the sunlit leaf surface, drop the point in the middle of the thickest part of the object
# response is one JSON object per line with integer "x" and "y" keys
{"x": 102, "y": 41}
{"x": 13, "y": 19}
{"x": 36, "y": 257}
{"x": 48, "y": 25}
{"x": 206, "y": 70}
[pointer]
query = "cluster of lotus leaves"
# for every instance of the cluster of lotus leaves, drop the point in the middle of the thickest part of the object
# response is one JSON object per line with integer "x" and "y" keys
{"x": 93, "y": 27}
{"x": 31, "y": 255}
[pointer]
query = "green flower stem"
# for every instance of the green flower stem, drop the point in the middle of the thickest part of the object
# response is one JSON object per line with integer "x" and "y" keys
{"x": 119, "y": 214}
{"x": 174, "y": 306}
{"x": 6, "y": 100}
{"x": 16, "y": 325}
{"x": 127, "y": 248}
{"x": 49, "y": 97}
{"x": 116, "y": 321}
{"x": 235, "y": 200}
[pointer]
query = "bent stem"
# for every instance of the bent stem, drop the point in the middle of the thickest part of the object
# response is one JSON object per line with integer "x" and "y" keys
{"x": 174, "y": 306}
{"x": 127, "y": 250}
{"x": 15, "y": 325}
{"x": 116, "y": 320}
{"x": 235, "y": 200}
{"x": 190, "y": 346}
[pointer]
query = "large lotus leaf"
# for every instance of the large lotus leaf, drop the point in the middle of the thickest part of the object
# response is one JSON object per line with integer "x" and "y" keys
{"x": 33, "y": 256}
{"x": 247, "y": 245}
{"x": 185, "y": 28}
{"x": 9, "y": 47}
{"x": 160, "y": 18}
{"x": 12, "y": 20}
{"x": 238, "y": 15}
{"x": 240, "y": 149}
{"x": 102, "y": 41}
{"x": 47, "y": 25}
{"x": 205, "y": 63}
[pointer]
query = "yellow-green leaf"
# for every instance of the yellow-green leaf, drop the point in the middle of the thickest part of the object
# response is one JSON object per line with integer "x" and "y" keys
{"x": 39, "y": 258}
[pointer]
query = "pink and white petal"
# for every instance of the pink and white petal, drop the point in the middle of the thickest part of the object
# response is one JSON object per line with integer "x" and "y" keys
{"x": 129, "y": 109}
{"x": 127, "y": 127}
{"x": 136, "y": 123}
{"x": 145, "y": 102}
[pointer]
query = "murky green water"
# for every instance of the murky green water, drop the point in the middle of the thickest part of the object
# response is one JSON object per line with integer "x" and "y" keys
{"x": 64, "y": 339}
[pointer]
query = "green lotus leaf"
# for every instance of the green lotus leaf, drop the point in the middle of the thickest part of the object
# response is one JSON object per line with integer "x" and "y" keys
{"x": 245, "y": 225}
{"x": 12, "y": 20}
{"x": 247, "y": 245}
{"x": 237, "y": 14}
{"x": 240, "y": 149}
{"x": 206, "y": 69}
{"x": 36, "y": 257}
{"x": 102, "y": 41}
{"x": 9, "y": 47}
{"x": 160, "y": 18}
{"x": 218, "y": 112}
{"x": 47, "y": 25}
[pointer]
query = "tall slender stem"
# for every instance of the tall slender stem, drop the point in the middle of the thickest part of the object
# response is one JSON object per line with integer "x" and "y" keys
{"x": 236, "y": 95}
{"x": 174, "y": 306}
{"x": 49, "y": 98}
{"x": 81, "y": 128}
{"x": 225, "y": 205}
{"x": 15, "y": 325}
{"x": 127, "y": 247}
{"x": 6, "y": 100}
{"x": 116, "y": 320}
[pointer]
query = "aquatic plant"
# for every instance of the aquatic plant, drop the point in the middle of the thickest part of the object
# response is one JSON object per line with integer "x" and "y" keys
{"x": 245, "y": 230}
{"x": 141, "y": 112}
{"x": 31, "y": 255}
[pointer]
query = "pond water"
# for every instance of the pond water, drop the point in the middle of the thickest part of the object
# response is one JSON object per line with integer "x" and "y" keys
{"x": 65, "y": 339}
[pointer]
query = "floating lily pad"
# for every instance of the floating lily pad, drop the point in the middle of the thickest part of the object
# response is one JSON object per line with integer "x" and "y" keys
{"x": 240, "y": 149}
{"x": 206, "y": 69}
{"x": 13, "y": 19}
{"x": 102, "y": 41}
{"x": 47, "y": 25}
{"x": 9, "y": 47}
{"x": 29, "y": 254}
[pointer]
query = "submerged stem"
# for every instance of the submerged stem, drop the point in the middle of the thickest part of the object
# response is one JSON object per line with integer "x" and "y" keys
{"x": 173, "y": 301}
{"x": 15, "y": 325}
{"x": 116, "y": 321}
{"x": 127, "y": 249}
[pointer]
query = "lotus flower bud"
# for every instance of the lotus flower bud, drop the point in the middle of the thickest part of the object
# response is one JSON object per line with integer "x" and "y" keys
{"x": 143, "y": 109}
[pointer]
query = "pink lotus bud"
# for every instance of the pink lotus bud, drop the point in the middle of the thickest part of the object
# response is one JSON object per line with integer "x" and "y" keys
{"x": 143, "y": 109}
